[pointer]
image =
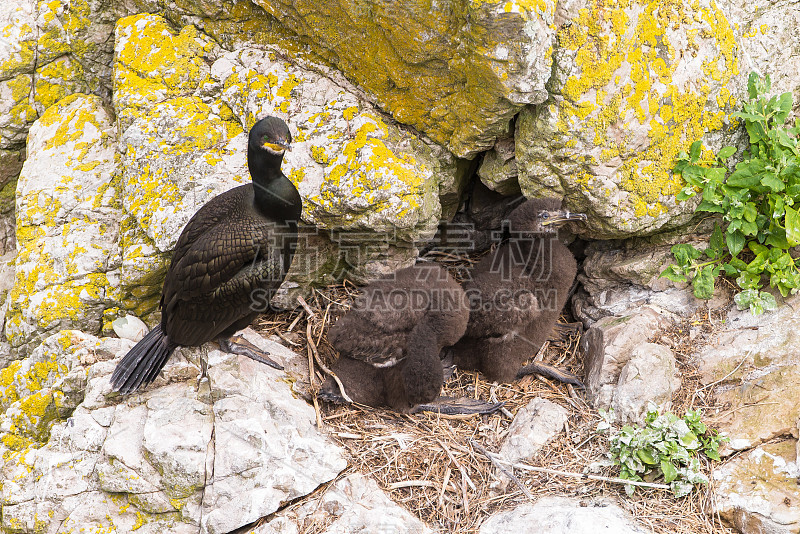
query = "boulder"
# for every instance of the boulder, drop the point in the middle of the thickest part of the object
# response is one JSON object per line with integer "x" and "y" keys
{"x": 650, "y": 376}
{"x": 561, "y": 515}
{"x": 68, "y": 214}
{"x": 757, "y": 491}
{"x": 753, "y": 366}
{"x": 457, "y": 72}
{"x": 610, "y": 344}
{"x": 631, "y": 86}
{"x": 354, "y": 503}
{"x": 182, "y": 456}
{"x": 533, "y": 426}
{"x": 618, "y": 277}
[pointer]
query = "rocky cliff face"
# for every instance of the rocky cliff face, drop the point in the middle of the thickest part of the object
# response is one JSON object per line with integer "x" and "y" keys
{"x": 119, "y": 120}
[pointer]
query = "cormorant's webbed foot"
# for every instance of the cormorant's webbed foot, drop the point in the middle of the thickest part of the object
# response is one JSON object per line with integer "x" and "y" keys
{"x": 550, "y": 372}
{"x": 458, "y": 406}
{"x": 239, "y": 345}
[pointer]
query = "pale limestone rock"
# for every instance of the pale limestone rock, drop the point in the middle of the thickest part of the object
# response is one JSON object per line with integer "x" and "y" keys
{"x": 609, "y": 345}
{"x": 618, "y": 277}
{"x": 169, "y": 459}
{"x": 761, "y": 394}
{"x": 561, "y": 515}
{"x": 354, "y": 503}
{"x": 498, "y": 168}
{"x": 649, "y": 376}
{"x": 625, "y": 97}
{"x": 67, "y": 222}
{"x": 50, "y": 50}
{"x": 534, "y": 425}
{"x": 456, "y": 72}
{"x": 757, "y": 491}
{"x": 767, "y": 33}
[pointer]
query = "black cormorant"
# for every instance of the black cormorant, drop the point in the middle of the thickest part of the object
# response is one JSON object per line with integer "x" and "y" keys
{"x": 239, "y": 243}
{"x": 517, "y": 293}
{"x": 389, "y": 342}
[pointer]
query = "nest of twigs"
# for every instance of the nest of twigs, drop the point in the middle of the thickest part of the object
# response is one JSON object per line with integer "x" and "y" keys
{"x": 435, "y": 465}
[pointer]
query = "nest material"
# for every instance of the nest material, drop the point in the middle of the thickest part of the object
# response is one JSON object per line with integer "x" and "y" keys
{"x": 426, "y": 462}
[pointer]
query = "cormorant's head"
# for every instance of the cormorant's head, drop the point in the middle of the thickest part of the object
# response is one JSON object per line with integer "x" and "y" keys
{"x": 542, "y": 216}
{"x": 270, "y": 134}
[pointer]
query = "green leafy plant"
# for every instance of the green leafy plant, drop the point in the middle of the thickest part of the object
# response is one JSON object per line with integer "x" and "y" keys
{"x": 758, "y": 202}
{"x": 667, "y": 447}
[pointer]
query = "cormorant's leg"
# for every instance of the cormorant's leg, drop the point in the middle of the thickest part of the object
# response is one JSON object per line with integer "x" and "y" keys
{"x": 551, "y": 372}
{"x": 458, "y": 406}
{"x": 239, "y": 345}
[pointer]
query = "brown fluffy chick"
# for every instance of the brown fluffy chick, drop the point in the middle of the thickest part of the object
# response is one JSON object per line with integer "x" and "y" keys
{"x": 389, "y": 341}
{"x": 516, "y": 294}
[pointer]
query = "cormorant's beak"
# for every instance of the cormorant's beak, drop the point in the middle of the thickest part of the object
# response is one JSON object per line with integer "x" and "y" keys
{"x": 563, "y": 216}
{"x": 278, "y": 146}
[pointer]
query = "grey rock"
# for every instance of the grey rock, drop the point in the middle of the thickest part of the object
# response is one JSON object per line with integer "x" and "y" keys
{"x": 604, "y": 138}
{"x": 649, "y": 376}
{"x": 354, "y": 503}
{"x": 174, "y": 458}
{"x": 609, "y": 345}
{"x": 498, "y": 169}
{"x": 561, "y": 515}
{"x": 533, "y": 426}
{"x": 757, "y": 491}
{"x": 754, "y": 367}
{"x": 618, "y": 277}
{"x": 68, "y": 220}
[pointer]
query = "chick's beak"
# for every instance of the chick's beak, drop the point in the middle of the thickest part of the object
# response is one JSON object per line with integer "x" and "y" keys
{"x": 564, "y": 216}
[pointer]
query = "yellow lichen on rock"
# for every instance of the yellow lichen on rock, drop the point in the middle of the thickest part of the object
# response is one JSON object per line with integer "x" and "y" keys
{"x": 457, "y": 71}
{"x": 65, "y": 215}
{"x": 633, "y": 97}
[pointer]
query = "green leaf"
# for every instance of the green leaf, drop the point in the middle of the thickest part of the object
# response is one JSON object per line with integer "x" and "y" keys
{"x": 703, "y": 283}
{"x": 769, "y": 179}
{"x": 694, "y": 150}
{"x": 752, "y": 85}
{"x": 747, "y": 174}
{"x": 669, "y": 470}
{"x": 768, "y": 301}
{"x": 684, "y": 253}
{"x": 705, "y": 206}
{"x": 726, "y": 152}
{"x": 750, "y": 212}
{"x": 744, "y": 298}
{"x": 674, "y": 273}
{"x": 729, "y": 269}
{"x": 735, "y": 242}
{"x": 792, "y": 226}
{"x": 715, "y": 243}
{"x": 784, "y": 106}
{"x": 757, "y": 265}
{"x": 646, "y": 457}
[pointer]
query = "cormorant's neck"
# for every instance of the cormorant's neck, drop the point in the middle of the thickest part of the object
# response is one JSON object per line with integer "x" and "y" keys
{"x": 275, "y": 195}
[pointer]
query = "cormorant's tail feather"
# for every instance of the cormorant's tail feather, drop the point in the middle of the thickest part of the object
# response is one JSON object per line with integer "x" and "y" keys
{"x": 143, "y": 362}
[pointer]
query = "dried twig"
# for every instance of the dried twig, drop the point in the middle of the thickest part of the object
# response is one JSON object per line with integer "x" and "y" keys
{"x": 505, "y": 471}
{"x": 526, "y": 467}
{"x": 306, "y": 307}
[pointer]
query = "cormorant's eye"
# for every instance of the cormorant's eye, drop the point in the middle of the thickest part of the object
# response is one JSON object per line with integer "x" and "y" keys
{"x": 544, "y": 215}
